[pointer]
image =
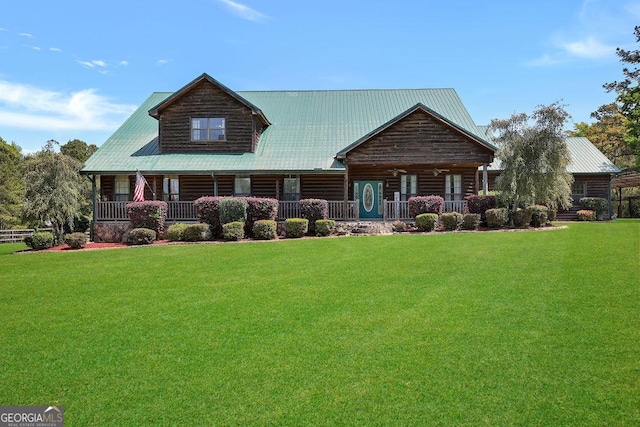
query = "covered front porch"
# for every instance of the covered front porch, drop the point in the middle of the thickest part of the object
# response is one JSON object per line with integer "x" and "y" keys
{"x": 179, "y": 211}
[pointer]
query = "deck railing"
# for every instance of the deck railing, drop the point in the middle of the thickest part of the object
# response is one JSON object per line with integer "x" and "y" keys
{"x": 185, "y": 211}
{"x": 13, "y": 236}
{"x": 399, "y": 211}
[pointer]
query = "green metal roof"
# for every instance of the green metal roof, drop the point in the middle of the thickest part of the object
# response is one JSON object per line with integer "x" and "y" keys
{"x": 586, "y": 159}
{"x": 308, "y": 129}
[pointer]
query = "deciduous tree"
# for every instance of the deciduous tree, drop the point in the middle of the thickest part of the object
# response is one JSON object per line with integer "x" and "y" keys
{"x": 11, "y": 184}
{"x": 54, "y": 190}
{"x": 534, "y": 157}
{"x": 78, "y": 149}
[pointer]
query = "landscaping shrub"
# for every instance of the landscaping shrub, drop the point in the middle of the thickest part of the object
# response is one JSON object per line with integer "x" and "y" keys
{"x": 259, "y": 208}
{"x": 324, "y": 227}
{"x": 39, "y": 240}
{"x": 539, "y": 215}
{"x": 148, "y": 214}
{"x": 208, "y": 211}
{"x": 233, "y": 230}
{"x": 313, "y": 210}
{"x": 426, "y": 221}
{"x": 296, "y": 227}
{"x": 521, "y": 218}
{"x": 497, "y": 218}
{"x": 142, "y": 236}
{"x": 425, "y": 204}
{"x": 174, "y": 232}
{"x": 451, "y": 220}
{"x": 75, "y": 240}
{"x": 586, "y": 215}
{"x": 232, "y": 209}
{"x": 265, "y": 229}
{"x": 470, "y": 221}
{"x": 480, "y": 204}
{"x": 196, "y": 232}
{"x": 552, "y": 214}
{"x": 596, "y": 204}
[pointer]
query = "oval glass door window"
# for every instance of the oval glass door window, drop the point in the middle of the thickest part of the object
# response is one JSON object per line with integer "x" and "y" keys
{"x": 367, "y": 197}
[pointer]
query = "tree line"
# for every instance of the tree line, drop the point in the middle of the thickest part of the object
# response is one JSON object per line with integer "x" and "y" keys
{"x": 45, "y": 188}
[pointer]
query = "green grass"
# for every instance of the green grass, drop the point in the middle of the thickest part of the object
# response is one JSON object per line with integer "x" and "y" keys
{"x": 526, "y": 328}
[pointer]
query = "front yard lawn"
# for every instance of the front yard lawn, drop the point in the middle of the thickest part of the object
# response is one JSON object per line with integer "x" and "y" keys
{"x": 505, "y": 328}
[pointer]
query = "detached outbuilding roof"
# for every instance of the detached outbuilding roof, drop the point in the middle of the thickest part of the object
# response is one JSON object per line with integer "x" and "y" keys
{"x": 307, "y": 130}
{"x": 585, "y": 158}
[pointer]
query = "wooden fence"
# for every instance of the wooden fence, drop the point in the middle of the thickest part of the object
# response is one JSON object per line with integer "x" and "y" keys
{"x": 13, "y": 236}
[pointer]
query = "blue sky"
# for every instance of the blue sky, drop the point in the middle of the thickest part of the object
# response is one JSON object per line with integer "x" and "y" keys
{"x": 77, "y": 69}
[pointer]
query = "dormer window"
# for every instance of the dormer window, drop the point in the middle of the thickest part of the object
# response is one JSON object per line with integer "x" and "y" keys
{"x": 208, "y": 129}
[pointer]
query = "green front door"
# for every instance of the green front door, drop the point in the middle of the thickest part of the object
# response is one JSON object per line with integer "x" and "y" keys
{"x": 370, "y": 198}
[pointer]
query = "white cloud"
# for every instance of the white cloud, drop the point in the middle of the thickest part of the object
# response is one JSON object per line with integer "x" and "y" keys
{"x": 3, "y": 29}
{"x": 243, "y": 11}
{"x": 55, "y": 49}
{"x": 162, "y": 62}
{"x": 27, "y": 35}
{"x": 123, "y": 63}
{"x": 29, "y": 107}
{"x": 92, "y": 64}
{"x": 589, "y": 48}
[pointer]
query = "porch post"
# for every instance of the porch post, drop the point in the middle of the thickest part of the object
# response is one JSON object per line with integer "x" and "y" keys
{"x": 485, "y": 180}
{"x": 94, "y": 202}
{"x": 215, "y": 184}
{"x": 345, "y": 191}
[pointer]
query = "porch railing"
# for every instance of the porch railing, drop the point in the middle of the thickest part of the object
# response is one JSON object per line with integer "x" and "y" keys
{"x": 399, "y": 211}
{"x": 185, "y": 211}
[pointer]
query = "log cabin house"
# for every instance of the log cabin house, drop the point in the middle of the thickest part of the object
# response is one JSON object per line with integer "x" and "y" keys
{"x": 365, "y": 151}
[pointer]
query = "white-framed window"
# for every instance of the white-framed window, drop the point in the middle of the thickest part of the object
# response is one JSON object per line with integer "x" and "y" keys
{"x": 408, "y": 186}
{"x": 242, "y": 186}
{"x": 291, "y": 188}
{"x": 171, "y": 188}
{"x": 208, "y": 129}
{"x": 452, "y": 188}
{"x": 121, "y": 188}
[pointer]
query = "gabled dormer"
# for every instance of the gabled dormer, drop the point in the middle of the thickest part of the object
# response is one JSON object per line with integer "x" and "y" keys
{"x": 206, "y": 116}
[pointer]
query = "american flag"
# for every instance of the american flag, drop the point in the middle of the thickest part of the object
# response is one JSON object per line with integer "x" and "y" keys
{"x": 138, "y": 192}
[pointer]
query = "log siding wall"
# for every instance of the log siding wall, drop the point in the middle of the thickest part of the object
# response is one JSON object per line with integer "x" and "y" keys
{"x": 206, "y": 100}
{"x": 419, "y": 138}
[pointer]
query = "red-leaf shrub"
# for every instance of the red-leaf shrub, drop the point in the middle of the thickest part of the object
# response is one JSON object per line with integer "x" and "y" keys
{"x": 148, "y": 214}
{"x": 207, "y": 209}
{"x": 480, "y": 204}
{"x": 260, "y": 208}
{"x": 425, "y": 204}
{"x": 313, "y": 210}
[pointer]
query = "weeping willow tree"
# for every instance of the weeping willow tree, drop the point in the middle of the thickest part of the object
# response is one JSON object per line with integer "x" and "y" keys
{"x": 534, "y": 157}
{"x": 54, "y": 189}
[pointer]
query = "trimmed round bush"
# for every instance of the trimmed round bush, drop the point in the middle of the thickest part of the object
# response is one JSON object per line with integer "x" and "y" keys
{"x": 233, "y": 230}
{"x": 208, "y": 211}
{"x": 40, "y": 240}
{"x": 521, "y": 218}
{"x": 259, "y": 208}
{"x": 313, "y": 210}
{"x": 196, "y": 232}
{"x": 324, "y": 227}
{"x": 75, "y": 240}
{"x": 425, "y": 204}
{"x": 497, "y": 218}
{"x": 265, "y": 229}
{"x": 470, "y": 221}
{"x": 232, "y": 209}
{"x": 296, "y": 227}
{"x": 142, "y": 236}
{"x": 586, "y": 215}
{"x": 479, "y": 204}
{"x": 148, "y": 214}
{"x": 174, "y": 232}
{"x": 451, "y": 220}
{"x": 539, "y": 215}
{"x": 427, "y": 221}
